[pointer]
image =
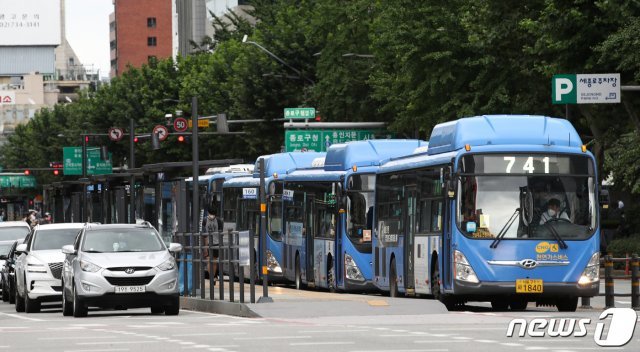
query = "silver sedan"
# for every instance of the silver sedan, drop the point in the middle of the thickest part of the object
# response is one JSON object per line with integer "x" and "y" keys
{"x": 120, "y": 266}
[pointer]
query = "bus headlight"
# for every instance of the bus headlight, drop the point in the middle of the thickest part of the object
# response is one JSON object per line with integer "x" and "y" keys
{"x": 352, "y": 272}
{"x": 591, "y": 273}
{"x": 272, "y": 263}
{"x": 464, "y": 271}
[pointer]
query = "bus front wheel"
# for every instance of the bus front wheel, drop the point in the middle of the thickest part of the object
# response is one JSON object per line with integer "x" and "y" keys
{"x": 393, "y": 279}
{"x": 567, "y": 304}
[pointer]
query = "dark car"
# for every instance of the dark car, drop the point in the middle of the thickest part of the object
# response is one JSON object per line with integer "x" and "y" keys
{"x": 7, "y": 272}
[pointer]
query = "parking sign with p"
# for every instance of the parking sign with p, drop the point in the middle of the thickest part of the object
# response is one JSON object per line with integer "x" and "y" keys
{"x": 563, "y": 88}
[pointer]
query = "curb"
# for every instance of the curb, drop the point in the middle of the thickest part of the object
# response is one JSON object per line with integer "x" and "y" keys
{"x": 217, "y": 307}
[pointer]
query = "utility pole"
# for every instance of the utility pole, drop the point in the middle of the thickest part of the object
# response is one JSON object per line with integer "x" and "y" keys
{"x": 132, "y": 165}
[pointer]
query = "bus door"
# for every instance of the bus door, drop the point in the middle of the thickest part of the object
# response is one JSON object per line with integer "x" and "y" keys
{"x": 409, "y": 239}
{"x": 309, "y": 233}
{"x": 446, "y": 260}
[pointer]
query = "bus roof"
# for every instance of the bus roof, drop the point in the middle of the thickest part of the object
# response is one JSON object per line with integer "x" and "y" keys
{"x": 226, "y": 176}
{"x": 281, "y": 163}
{"x": 502, "y": 130}
{"x": 244, "y": 181}
{"x": 231, "y": 169}
{"x": 373, "y": 152}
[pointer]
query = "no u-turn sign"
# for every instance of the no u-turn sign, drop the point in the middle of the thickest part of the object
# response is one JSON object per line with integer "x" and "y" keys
{"x": 586, "y": 88}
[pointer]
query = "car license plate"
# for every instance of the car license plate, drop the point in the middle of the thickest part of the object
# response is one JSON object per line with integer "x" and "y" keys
{"x": 130, "y": 289}
{"x": 529, "y": 286}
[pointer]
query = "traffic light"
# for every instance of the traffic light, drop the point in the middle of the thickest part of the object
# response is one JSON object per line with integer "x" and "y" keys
{"x": 155, "y": 141}
{"x": 181, "y": 139}
{"x": 221, "y": 123}
{"x": 56, "y": 172}
{"x": 27, "y": 172}
{"x": 135, "y": 139}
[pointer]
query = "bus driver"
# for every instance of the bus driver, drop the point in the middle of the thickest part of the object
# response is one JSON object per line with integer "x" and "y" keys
{"x": 553, "y": 212}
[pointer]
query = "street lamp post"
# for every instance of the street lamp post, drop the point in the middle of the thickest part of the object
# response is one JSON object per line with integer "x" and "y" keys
{"x": 132, "y": 165}
{"x": 244, "y": 40}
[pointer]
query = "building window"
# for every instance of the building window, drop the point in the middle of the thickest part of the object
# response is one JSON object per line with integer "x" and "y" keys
{"x": 151, "y": 22}
{"x": 152, "y": 59}
{"x": 152, "y": 41}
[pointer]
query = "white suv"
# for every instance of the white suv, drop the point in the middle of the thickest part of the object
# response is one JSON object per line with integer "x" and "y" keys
{"x": 39, "y": 266}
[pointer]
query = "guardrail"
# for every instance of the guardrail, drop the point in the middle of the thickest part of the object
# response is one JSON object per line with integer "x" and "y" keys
{"x": 609, "y": 289}
{"x": 193, "y": 263}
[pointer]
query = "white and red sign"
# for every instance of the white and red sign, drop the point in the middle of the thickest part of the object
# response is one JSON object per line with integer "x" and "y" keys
{"x": 115, "y": 133}
{"x": 162, "y": 132}
{"x": 7, "y": 97}
{"x": 180, "y": 124}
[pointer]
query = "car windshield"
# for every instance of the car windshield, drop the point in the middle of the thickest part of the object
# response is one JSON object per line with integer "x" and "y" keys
{"x": 527, "y": 196}
{"x": 122, "y": 240}
{"x": 53, "y": 239}
{"x": 5, "y": 248}
{"x": 13, "y": 233}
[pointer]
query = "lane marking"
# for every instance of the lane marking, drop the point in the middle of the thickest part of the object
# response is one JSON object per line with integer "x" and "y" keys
{"x": 209, "y": 334}
{"x": 462, "y": 338}
{"x": 99, "y": 350}
{"x": 439, "y": 341}
{"x": 21, "y": 317}
{"x": 464, "y": 329}
{"x": 76, "y": 338}
{"x": 486, "y": 341}
{"x": 88, "y": 325}
{"x": 424, "y": 350}
{"x": 331, "y": 331}
{"x": 272, "y": 337}
{"x": 321, "y": 343}
{"x": 511, "y": 344}
{"x": 536, "y": 348}
{"x": 166, "y": 323}
{"x": 114, "y": 342}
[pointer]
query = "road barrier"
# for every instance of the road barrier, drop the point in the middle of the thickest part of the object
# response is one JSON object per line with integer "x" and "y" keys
{"x": 235, "y": 251}
{"x": 609, "y": 278}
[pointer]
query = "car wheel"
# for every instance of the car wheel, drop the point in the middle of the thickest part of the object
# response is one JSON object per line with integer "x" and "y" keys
{"x": 12, "y": 294}
{"x": 19, "y": 301}
{"x": 79, "y": 309}
{"x": 157, "y": 310}
{"x": 500, "y": 305}
{"x": 173, "y": 308}
{"x": 5, "y": 291}
{"x": 567, "y": 304}
{"x": 518, "y": 304}
{"x": 67, "y": 307}
{"x": 31, "y": 305}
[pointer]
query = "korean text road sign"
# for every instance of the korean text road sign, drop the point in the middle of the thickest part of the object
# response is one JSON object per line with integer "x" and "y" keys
{"x": 201, "y": 123}
{"x": 321, "y": 140}
{"x": 586, "y": 88}
{"x": 72, "y": 162}
{"x": 299, "y": 113}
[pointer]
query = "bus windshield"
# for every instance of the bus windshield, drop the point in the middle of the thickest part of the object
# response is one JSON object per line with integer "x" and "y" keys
{"x": 540, "y": 196}
{"x": 360, "y": 200}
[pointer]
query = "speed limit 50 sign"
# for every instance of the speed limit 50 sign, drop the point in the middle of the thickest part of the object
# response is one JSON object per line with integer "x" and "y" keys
{"x": 180, "y": 124}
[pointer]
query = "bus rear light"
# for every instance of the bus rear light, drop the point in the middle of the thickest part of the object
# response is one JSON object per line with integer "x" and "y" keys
{"x": 463, "y": 270}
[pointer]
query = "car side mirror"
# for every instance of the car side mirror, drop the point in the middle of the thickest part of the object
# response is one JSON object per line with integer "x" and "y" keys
{"x": 68, "y": 249}
{"x": 175, "y": 247}
{"x": 21, "y": 248}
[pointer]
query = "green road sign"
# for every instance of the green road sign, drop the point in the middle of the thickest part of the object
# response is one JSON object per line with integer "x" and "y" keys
{"x": 320, "y": 140}
{"x": 17, "y": 181}
{"x": 299, "y": 113}
{"x": 72, "y": 157}
{"x": 586, "y": 88}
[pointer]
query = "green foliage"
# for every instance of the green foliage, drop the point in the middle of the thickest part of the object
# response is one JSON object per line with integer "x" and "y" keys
{"x": 620, "y": 247}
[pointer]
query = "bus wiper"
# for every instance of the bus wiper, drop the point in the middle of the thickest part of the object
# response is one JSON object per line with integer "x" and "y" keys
{"x": 556, "y": 235}
{"x": 504, "y": 229}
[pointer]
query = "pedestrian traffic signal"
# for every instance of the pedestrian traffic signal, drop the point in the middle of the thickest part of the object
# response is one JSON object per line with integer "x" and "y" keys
{"x": 27, "y": 172}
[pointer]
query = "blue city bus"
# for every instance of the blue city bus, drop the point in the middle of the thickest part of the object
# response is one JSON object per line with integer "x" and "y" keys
{"x": 241, "y": 206}
{"x": 499, "y": 208}
{"x": 328, "y": 213}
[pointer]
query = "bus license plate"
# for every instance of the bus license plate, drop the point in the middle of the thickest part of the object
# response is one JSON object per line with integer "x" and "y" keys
{"x": 529, "y": 286}
{"x": 130, "y": 289}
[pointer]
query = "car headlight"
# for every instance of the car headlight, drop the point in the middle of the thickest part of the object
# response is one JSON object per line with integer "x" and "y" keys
{"x": 464, "y": 271}
{"x": 352, "y": 271}
{"x": 89, "y": 266}
{"x": 167, "y": 265}
{"x": 272, "y": 263}
{"x": 591, "y": 272}
{"x": 35, "y": 266}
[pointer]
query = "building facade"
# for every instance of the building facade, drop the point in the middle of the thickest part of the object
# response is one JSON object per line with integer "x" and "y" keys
{"x": 140, "y": 30}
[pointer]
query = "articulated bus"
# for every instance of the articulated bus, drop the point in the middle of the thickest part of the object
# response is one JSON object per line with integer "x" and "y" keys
{"x": 241, "y": 206}
{"x": 328, "y": 213}
{"x": 499, "y": 208}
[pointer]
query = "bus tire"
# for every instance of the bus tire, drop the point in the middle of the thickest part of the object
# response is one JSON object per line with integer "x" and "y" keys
{"x": 331, "y": 276}
{"x": 518, "y": 304}
{"x": 435, "y": 281}
{"x": 500, "y": 305}
{"x": 393, "y": 279}
{"x": 298, "y": 278}
{"x": 567, "y": 304}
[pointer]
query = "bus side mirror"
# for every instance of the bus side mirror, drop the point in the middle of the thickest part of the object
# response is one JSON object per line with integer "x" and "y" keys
{"x": 450, "y": 182}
